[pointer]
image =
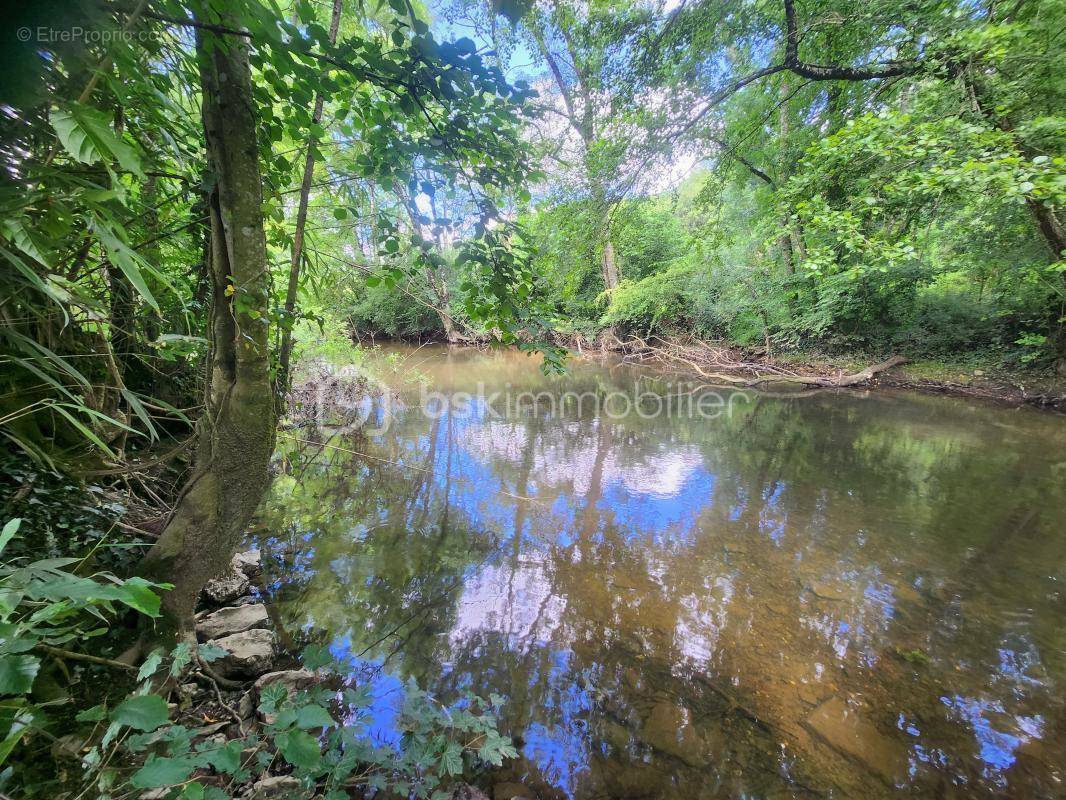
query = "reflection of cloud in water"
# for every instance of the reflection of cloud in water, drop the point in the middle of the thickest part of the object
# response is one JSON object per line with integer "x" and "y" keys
{"x": 699, "y": 626}
{"x": 815, "y": 543}
{"x": 558, "y": 461}
{"x": 517, "y": 604}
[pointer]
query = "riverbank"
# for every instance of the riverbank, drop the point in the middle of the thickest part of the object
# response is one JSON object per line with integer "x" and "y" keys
{"x": 979, "y": 375}
{"x": 253, "y": 696}
{"x": 973, "y": 375}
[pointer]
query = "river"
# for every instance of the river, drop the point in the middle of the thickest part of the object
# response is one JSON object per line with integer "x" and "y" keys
{"x": 691, "y": 592}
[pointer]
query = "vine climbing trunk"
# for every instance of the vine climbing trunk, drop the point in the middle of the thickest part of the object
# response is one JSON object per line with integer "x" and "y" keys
{"x": 237, "y": 427}
{"x": 285, "y": 351}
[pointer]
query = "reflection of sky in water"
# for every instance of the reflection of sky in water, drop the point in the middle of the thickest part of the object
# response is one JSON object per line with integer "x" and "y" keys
{"x": 561, "y": 752}
{"x": 380, "y": 716}
{"x": 674, "y": 507}
{"x": 656, "y": 516}
{"x": 997, "y": 747}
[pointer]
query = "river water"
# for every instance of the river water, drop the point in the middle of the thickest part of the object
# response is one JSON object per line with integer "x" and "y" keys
{"x": 689, "y": 592}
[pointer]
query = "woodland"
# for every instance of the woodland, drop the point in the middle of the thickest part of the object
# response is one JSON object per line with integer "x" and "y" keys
{"x": 197, "y": 197}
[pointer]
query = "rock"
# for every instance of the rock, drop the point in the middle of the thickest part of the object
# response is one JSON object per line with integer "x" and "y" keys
{"x": 464, "y": 791}
{"x": 276, "y": 786}
{"x": 228, "y": 621}
{"x": 207, "y": 731}
{"x": 250, "y": 563}
{"x": 511, "y": 791}
{"x": 292, "y": 679}
{"x": 669, "y": 729}
{"x": 843, "y": 729}
{"x": 226, "y": 588}
{"x": 827, "y": 591}
{"x": 251, "y": 653}
{"x": 246, "y": 706}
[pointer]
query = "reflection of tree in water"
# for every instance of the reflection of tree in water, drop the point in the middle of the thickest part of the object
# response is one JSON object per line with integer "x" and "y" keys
{"x": 365, "y": 557}
{"x": 673, "y": 599}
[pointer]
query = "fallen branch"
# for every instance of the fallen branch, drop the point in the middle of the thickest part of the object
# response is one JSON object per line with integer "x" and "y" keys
{"x": 70, "y": 655}
{"x": 718, "y": 363}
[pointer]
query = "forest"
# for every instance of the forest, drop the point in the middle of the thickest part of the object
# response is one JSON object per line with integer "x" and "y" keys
{"x": 203, "y": 202}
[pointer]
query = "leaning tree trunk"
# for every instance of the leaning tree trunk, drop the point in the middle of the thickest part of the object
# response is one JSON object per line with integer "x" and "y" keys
{"x": 236, "y": 429}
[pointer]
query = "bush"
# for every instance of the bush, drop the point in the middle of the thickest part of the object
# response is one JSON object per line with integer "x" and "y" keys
{"x": 46, "y": 610}
{"x": 381, "y": 311}
{"x": 945, "y": 323}
{"x": 640, "y": 306}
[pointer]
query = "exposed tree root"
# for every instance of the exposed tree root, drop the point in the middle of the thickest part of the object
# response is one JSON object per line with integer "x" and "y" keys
{"x": 727, "y": 365}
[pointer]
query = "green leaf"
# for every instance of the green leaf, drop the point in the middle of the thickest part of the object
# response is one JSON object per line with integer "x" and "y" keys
{"x": 451, "y": 760}
{"x": 10, "y": 529}
{"x": 271, "y": 697}
{"x": 17, "y": 673}
{"x": 158, "y": 772}
{"x": 313, "y": 716}
{"x": 86, "y": 432}
{"x": 94, "y": 714}
{"x": 299, "y": 749}
{"x": 127, "y": 260}
{"x": 144, "y": 712}
{"x": 181, "y": 655}
{"x": 86, "y": 135}
{"x": 227, "y": 759}
{"x": 138, "y": 594}
{"x": 138, "y": 408}
{"x": 211, "y": 652}
{"x": 151, "y": 664}
{"x": 9, "y": 743}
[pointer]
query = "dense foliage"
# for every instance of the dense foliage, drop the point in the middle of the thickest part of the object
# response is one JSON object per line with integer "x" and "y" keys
{"x": 850, "y": 177}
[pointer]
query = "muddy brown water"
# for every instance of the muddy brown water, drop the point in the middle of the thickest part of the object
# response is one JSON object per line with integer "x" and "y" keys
{"x": 840, "y": 594}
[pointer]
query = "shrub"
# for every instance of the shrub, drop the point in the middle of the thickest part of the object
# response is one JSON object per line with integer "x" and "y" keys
{"x": 640, "y": 306}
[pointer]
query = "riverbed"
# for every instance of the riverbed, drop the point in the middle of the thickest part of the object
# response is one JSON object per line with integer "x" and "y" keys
{"x": 687, "y": 591}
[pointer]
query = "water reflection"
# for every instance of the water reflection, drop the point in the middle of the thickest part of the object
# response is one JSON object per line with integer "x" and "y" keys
{"x": 833, "y": 595}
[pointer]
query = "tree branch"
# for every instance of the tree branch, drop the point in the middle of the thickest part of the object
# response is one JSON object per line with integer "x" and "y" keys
{"x": 824, "y": 72}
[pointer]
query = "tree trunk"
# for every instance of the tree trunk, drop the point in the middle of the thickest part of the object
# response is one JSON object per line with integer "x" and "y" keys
{"x": 784, "y": 168}
{"x": 1047, "y": 222}
{"x": 438, "y": 282}
{"x": 610, "y": 267}
{"x": 236, "y": 429}
{"x": 285, "y": 351}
